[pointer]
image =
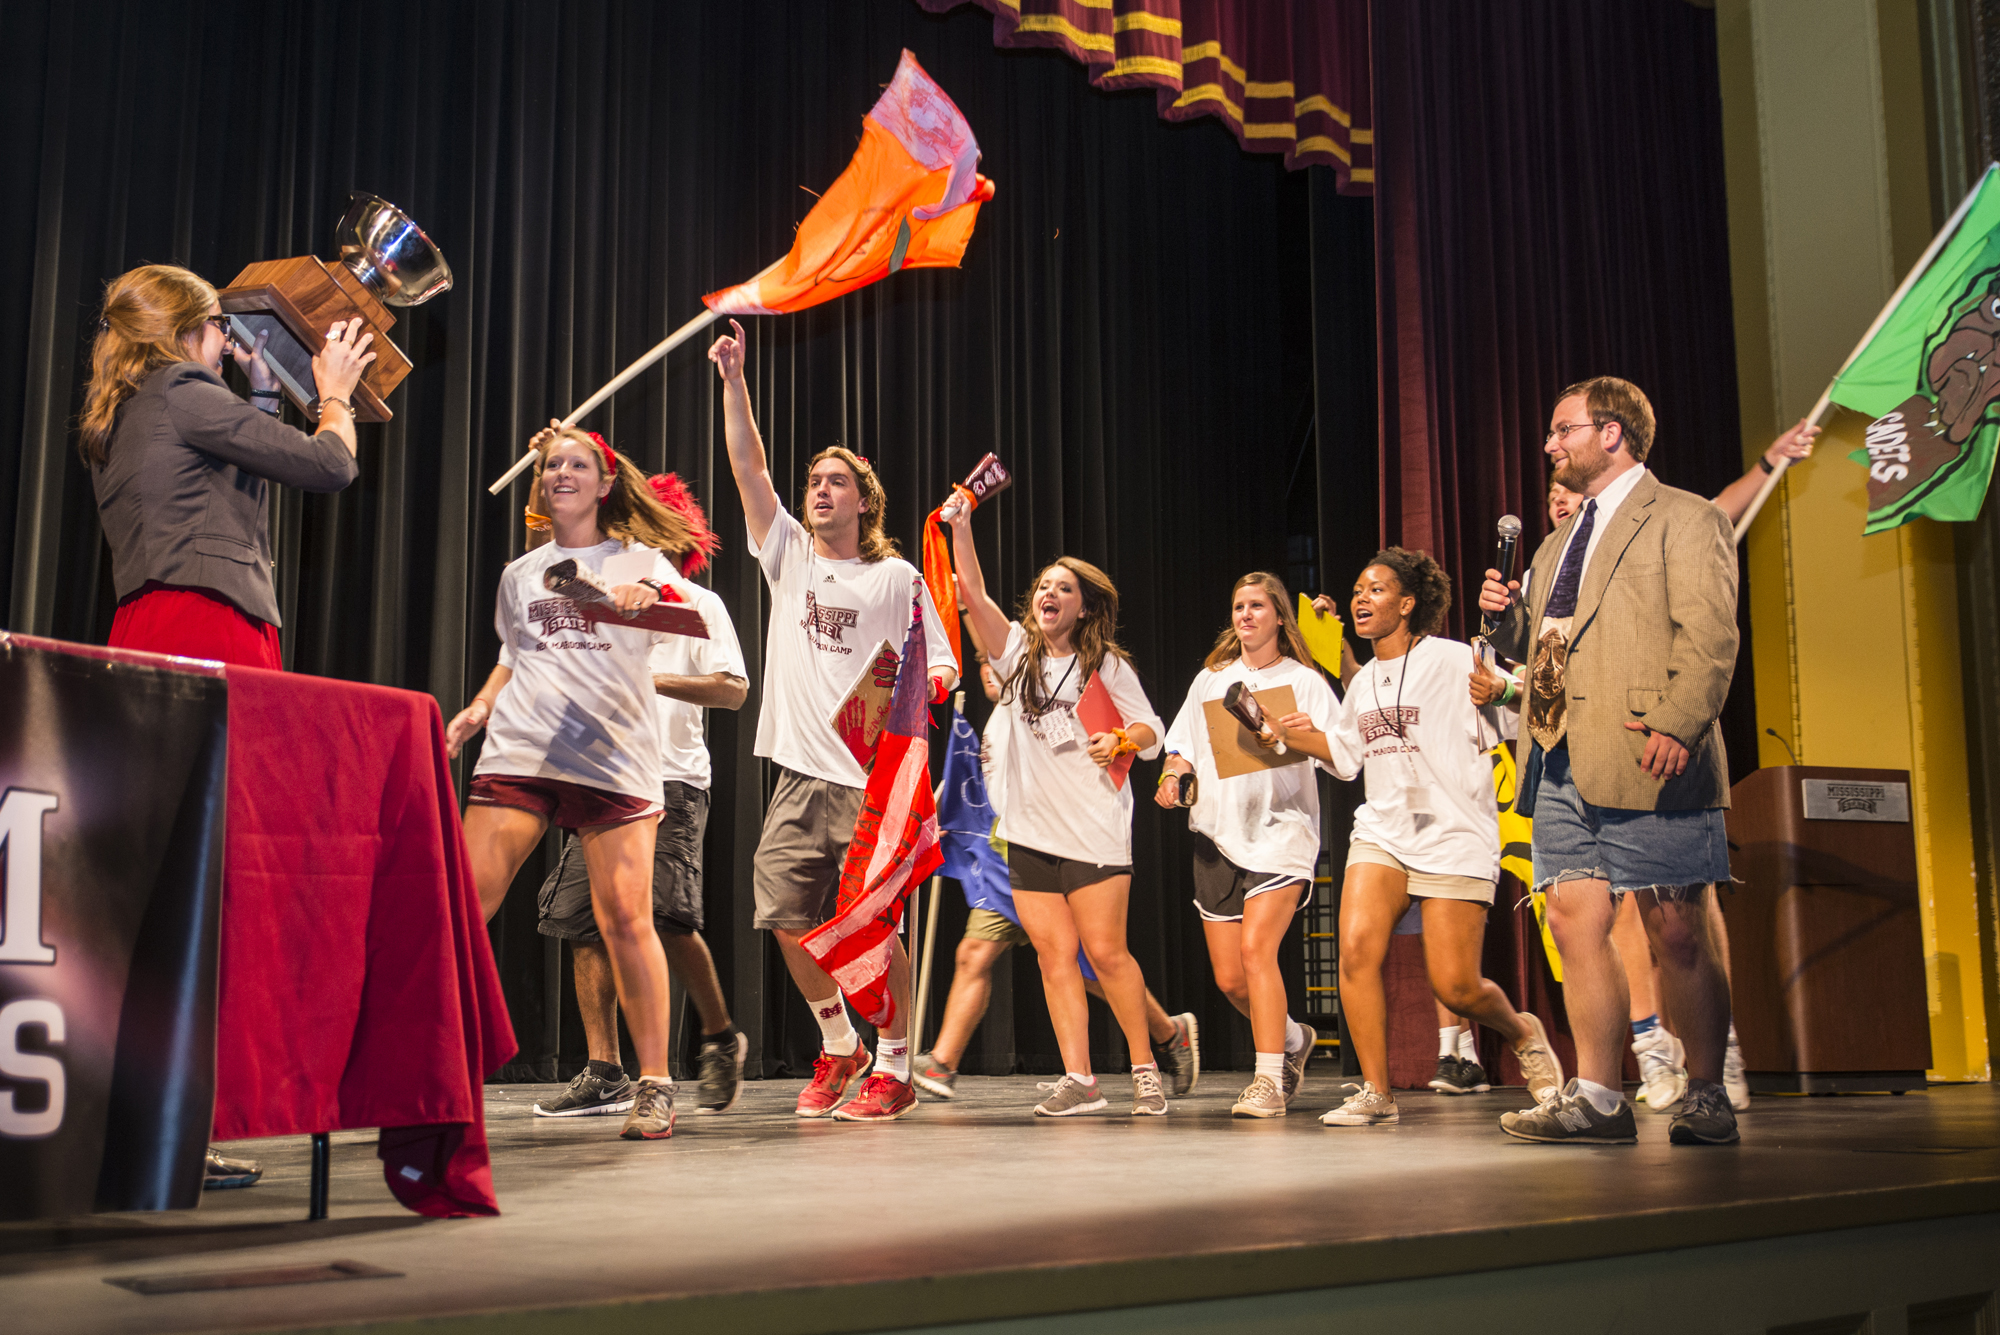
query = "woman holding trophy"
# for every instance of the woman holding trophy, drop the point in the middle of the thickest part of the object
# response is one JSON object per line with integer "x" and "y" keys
{"x": 182, "y": 467}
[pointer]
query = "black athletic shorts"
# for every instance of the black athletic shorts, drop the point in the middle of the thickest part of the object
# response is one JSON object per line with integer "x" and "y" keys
{"x": 564, "y": 902}
{"x": 1220, "y": 886}
{"x": 1033, "y": 871}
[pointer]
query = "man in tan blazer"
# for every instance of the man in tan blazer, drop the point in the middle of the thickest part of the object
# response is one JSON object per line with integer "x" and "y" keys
{"x": 1629, "y": 633}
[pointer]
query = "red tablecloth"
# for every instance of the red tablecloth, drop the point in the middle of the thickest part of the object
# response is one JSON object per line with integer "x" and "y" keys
{"x": 357, "y": 985}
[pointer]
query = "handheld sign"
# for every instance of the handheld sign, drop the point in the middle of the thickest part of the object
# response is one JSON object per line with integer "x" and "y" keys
{"x": 1322, "y": 632}
{"x": 1234, "y": 743}
{"x": 1096, "y": 713}
{"x": 858, "y": 718}
{"x": 592, "y": 596}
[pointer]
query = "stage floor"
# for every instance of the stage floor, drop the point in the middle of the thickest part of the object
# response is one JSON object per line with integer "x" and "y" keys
{"x": 969, "y": 1209}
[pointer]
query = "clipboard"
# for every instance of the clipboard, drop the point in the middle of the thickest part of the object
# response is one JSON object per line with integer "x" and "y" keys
{"x": 1096, "y": 713}
{"x": 857, "y": 719}
{"x": 1235, "y": 747}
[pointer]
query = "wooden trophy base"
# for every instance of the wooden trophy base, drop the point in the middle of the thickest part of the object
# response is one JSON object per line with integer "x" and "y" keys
{"x": 295, "y": 302}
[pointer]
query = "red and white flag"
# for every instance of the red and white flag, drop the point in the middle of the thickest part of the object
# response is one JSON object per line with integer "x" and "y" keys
{"x": 895, "y": 843}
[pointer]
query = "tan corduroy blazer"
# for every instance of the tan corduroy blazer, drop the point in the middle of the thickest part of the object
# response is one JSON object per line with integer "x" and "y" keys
{"x": 1654, "y": 639}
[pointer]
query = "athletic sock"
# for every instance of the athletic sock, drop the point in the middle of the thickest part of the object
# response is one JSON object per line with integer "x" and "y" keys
{"x": 1647, "y": 1025}
{"x": 611, "y": 1071}
{"x": 1087, "y": 1081}
{"x": 1137, "y": 1067}
{"x": 664, "y": 1081}
{"x": 1273, "y": 1065}
{"x": 1296, "y": 1036}
{"x": 1604, "y": 1100}
{"x": 892, "y": 1058}
{"x": 1468, "y": 1050}
{"x": 837, "y": 1034}
{"x": 1448, "y": 1041}
{"x": 728, "y": 1030}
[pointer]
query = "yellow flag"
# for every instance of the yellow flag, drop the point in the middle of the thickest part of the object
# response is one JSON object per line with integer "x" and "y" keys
{"x": 1322, "y": 632}
{"x": 1517, "y": 840}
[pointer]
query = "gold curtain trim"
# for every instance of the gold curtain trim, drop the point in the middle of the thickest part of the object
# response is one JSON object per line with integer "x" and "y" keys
{"x": 1213, "y": 51}
{"x": 1062, "y": 27}
{"x": 1140, "y": 19}
{"x": 1320, "y": 102}
{"x": 1320, "y": 143}
{"x": 1093, "y": 4}
{"x": 1270, "y": 130}
{"x": 1211, "y": 92}
{"x": 1160, "y": 65}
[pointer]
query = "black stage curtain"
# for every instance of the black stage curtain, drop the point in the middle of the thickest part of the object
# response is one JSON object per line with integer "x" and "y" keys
{"x": 1133, "y": 331}
{"x": 1549, "y": 207}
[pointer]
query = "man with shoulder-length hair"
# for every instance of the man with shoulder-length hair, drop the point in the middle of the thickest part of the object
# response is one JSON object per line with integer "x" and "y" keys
{"x": 838, "y": 591}
{"x": 1629, "y": 630}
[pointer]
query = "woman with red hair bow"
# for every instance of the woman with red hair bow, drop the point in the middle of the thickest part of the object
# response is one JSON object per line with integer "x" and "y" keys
{"x": 570, "y": 735}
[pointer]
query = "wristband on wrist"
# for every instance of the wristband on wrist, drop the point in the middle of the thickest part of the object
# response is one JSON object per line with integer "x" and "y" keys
{"x": 267, "y": 394}
{"x": 1765, "y": 464}
{"x": 1125, "y": 746}
{"x": 1509, "y": 691}
{"x": 938, "y": 691}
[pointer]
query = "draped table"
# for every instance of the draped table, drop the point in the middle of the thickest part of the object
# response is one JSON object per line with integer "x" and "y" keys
{"x": 357, "y": 985}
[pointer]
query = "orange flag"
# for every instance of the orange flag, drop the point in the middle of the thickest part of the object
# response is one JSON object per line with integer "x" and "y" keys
{"x": 907, "y": 201}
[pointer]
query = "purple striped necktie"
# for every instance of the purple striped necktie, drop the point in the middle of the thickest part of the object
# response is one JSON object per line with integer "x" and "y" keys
{"x": 1569, "y": 579}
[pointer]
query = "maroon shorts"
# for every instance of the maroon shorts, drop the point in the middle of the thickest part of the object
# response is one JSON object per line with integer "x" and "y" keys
{"x": 194, "y": 623}
{"x": 569, "y": 806}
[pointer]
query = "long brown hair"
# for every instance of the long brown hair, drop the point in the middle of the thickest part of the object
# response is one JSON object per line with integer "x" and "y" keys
{"x": 147, "y": 316}
{"x": 1291, "y": 643}
{"x": 632, "y": 512}
{"x": 874, "y": 543}
{"x": 1095, "y": 637}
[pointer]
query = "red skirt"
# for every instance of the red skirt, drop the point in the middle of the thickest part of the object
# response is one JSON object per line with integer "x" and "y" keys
{"x": 193, "y": 623}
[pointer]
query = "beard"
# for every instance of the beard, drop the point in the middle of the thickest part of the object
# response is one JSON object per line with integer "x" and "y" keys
{"x": 1577, "y": 474}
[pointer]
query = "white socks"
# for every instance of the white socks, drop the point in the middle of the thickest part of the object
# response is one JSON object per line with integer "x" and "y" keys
{"x": 1467, "y": 1049}
{"x": 1604, "y": 1100}
{"x": 1448, "y": 1041}
{"x": 1296, "y": 1036}
{"x": 664, "y": 1081}
{"x": 892, "y": 1058}
{"x": 837, "y": 1034}
{"x": 1273, "y": 1065}
{"x": 1087, "y": 1081}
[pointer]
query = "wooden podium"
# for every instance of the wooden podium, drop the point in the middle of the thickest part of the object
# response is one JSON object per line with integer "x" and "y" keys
{"x": 1825, "y": 940}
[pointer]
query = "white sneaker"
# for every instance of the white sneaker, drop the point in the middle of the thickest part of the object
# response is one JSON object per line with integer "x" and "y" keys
{"x": 1735, "y": 1083}
{"x": 1663, "y": 1073}
{"x": 1367, "y": 1106}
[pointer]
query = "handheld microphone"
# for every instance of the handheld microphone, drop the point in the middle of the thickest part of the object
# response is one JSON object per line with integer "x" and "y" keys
{"x": 1509, "y": 529}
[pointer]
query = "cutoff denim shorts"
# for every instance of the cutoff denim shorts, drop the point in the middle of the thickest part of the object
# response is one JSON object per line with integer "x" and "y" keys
{"x": 1662, "y": 851}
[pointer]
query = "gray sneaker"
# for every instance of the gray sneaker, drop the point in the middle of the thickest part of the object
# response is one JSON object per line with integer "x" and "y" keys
{"x": 1704, "y": 1117}
{"x": 1147, "y": 1098}
{"x": 1068, "y": 1098}
{"x": 1367, "y": 1106}
{"x": 933, "y": 1076}
{"x": 1541, "y": 1069}
{"x": 589, "y": 1095}
{"x": 1181, "y": 1054}
{"x": 1263, "y": 1097}
{"x": 721, "y": 1064}
{"x": 1295, "y": 1063}
{"x": 652, "y": 1115}
{"x": 1568, "y": 1118}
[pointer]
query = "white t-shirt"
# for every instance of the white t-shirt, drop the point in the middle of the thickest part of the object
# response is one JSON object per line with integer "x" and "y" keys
{"x": 827, "y": 617}
{"x": 1411, "y": 723}
{"x": 683, "y": 741}
{"x": 1267, "y": 820}
{"x": 579, "y": 707}
{"x": 1056, "y": 800}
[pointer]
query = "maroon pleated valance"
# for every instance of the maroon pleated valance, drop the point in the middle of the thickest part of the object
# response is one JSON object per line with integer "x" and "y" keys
{"x": 1286, "y": 76}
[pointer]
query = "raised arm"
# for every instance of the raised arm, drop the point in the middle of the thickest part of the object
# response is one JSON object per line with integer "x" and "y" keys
{"x": 988, "y": 622}
{"x": 739, "y": 430}
{"x": 1794, "y": 445}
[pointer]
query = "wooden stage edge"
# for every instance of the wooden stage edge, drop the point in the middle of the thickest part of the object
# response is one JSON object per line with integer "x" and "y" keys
{"x": 1038, "y": 1291}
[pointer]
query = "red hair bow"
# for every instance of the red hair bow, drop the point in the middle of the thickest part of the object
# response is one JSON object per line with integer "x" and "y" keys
{"x": 610, "y": 459}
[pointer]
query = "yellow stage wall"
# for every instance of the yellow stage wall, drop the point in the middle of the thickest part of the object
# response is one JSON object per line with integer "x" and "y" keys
{"x": 1832, "y": 195}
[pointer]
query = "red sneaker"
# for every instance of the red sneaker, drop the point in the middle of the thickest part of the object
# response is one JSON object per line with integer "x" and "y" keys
{"x": 883, "y": 1098}
{"x": 830, "y": 1079}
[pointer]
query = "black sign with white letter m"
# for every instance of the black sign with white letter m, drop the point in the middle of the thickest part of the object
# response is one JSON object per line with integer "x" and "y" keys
{"x": 112, "y": 783}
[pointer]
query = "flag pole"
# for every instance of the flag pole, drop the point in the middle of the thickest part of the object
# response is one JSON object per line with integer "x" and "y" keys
{"x": 1825, "y": 403}
{"x": 929, "y": 926}
{"x": 618, "y": 382}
